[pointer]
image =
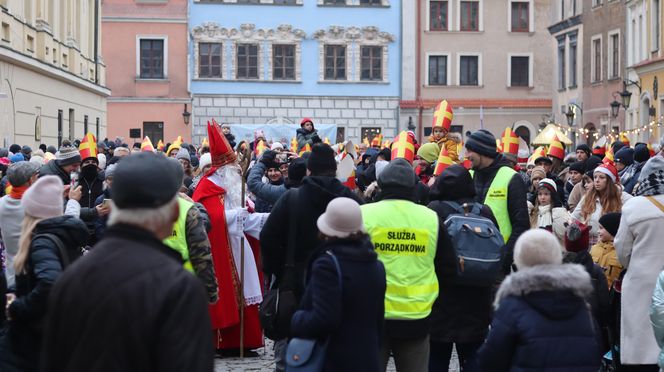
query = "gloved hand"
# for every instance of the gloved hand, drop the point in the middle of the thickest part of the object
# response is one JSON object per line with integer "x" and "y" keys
{"x": 268, "y": 158}
{"x": 315, "y": 138}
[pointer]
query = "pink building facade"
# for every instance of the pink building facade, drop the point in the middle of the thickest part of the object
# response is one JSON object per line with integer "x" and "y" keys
{"x": 145, "y": 49}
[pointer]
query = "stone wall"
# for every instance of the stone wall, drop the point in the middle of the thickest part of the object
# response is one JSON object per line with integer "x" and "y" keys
{"x": 350, "y": 113}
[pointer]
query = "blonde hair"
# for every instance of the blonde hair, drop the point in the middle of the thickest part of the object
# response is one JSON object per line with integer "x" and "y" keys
{"x": 25, "y": 241}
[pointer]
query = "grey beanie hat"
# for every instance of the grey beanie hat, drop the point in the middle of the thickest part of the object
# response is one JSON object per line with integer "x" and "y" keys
{"x": 656, "y": 163}
{"x": 20, "y": 173}
{"x": 482, "y": 142}
{"x": 399, "y": 173}
{"x": 183, "y": 153}
{"x": 67, "y": 156}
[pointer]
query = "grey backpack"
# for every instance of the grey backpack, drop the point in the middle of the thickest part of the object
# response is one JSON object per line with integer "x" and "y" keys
{"x": 478, "y": 245}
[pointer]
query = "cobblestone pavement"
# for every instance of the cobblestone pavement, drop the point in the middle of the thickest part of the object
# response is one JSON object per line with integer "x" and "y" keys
{"x": 264, "y": 362}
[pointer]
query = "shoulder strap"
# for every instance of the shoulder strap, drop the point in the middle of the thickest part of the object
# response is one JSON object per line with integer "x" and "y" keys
{"x": 456, "y": 206}
{"x": 64, "y": 257}
{"x": 657, "y": 204}
{"x": 338, "y": 267}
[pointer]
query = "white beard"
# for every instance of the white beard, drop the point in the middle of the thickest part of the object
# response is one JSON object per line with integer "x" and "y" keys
{"x": 228, "y": 177}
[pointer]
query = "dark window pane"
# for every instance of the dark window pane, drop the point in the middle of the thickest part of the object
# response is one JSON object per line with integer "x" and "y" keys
{"x": 335, "y": 62}
{"x": 247, "y": 61}
{"x": 370, "y": 2}
{"x": 371, "y": 63}
{"x": 520, "y": 17}
{"x": 334, "y": 2}
{"x": 283, "y": 64}
{"x": 438, "y": 70}
{"x": 561, "y": 66}
{"x": 151, "y": 59}
{"x": 209, "y": 60}
{"x": 469, "y": 16}
{"x": 519, "y": 71}
{"x": 469, "y": 70}
{"x": 438, "y": 15}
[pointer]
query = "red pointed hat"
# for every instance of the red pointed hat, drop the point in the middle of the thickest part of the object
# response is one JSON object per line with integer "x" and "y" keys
{"x": 220, "y": 150}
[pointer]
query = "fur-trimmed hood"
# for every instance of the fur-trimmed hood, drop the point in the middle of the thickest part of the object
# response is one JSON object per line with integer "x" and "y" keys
{"x": 567, "y": 282}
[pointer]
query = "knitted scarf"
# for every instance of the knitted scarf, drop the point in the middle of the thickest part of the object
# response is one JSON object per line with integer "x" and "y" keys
{"x": 653, "y": 185}
{"x": 17, "y": 192}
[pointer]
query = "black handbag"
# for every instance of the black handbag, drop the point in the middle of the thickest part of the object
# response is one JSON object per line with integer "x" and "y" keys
{"x": 279, "y": 304}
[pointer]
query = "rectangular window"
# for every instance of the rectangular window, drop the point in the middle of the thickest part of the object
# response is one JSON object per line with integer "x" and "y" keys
{"x": 154, "y": 130}
{"x": 152, "y": 59}
{"x": 85, "y": 124}
{"x": 520, "y": 71}
{"x": 562, "y": 10}
{"x": 468, "y": 70}
{"x": 247, "y": 61}
{"x": 438, "y": 15}
{"x": 520, "y": 17}
{"x": 369, "y": 132}
{"x": 656, "y": 21}
{"x": 283, "y": 62}
{"x": 209, "y": 60}
{"x": 572, "y": 60}
{"x": 470, "y": 15}
{"x": 248, "y": 1}
{"x": 371, "y": 2}
{"x": 335, "y": 62}
{"x": 597, "y": 60}
{"x": 597, "y": 2}
{"x": 285, "y": 2}
{"x": 97, "y": 128}
{"x": 334, "y": 2}
{"x": 371, "y": 63}
{"x": 561, "y": 63}
{"x": 72, "y": 124}
{"x": 615, "y": 55}
{"x": 437, "y": 70}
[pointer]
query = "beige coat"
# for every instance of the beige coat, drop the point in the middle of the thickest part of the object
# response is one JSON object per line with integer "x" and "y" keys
{"x": 575, "y": 196}
{"x": 640, "y": 247}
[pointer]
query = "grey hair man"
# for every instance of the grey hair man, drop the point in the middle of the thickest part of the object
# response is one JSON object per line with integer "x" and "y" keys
{"x": 134, "y": 290}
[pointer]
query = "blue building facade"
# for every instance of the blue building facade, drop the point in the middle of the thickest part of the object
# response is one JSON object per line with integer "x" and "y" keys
{"x": 277, "y": 61}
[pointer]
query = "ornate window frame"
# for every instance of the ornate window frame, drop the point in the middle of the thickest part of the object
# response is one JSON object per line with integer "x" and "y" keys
{"x": 247, "y": 33}
{"x": 384, "y": 3}
{"x": 353, "y": 38}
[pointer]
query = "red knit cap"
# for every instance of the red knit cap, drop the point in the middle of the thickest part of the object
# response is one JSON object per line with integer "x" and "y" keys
{"x": 577, "y": 237}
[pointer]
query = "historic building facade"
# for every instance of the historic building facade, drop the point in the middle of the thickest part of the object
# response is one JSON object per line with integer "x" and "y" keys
{"x": 277, "y": 61}
{"x": 486, "y": 57}
{"x": 603, "y": 70}
{"x": 52, "y": 76}
{"x": 145, "y": 46}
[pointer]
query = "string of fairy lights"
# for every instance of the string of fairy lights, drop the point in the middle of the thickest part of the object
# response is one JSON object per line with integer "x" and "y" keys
{"x": 613, "y": 134}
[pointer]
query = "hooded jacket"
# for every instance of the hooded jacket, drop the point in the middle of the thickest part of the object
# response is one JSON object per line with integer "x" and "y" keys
{"x": 305, "y": 137}
{"x": 53, "y": 169}
{"x": 542, "y": 323}
{"x": 517, "y": 208}
{"x": 307, "y": 202}
{"x": 266, "y": 193}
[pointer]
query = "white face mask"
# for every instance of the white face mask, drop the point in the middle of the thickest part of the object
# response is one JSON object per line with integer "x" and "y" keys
{"x": 380, "y": 166}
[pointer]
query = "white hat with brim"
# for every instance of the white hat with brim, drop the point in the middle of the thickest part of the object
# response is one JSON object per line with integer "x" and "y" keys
{"x": 342, "y": 218}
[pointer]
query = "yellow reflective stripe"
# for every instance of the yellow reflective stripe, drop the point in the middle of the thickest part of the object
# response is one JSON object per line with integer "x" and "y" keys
{"x": 418, "y": 309}
{"x": 412, "y": 290}
{"x": 188, "y": 266}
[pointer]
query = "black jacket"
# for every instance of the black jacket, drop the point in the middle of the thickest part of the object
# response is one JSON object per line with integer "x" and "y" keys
{"x": 100, "y": 222}
{"x": 308, "y": 203}
{"x": 542, "y": 323}
{"x": 517, "y": 208}
{"x": 128, "y": 305}
{"x": 21, "y": 347}
{"x": 460, "y": 314}
{"x": 53, "y": 169}
{"x": 352, "y": 317}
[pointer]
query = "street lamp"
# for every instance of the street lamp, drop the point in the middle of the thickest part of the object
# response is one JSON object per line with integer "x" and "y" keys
{"x": 186, "y": 115}
{"x": 615, "y": 107}
{"x": 411, "y": 126}
{"x": 570, "y": 116}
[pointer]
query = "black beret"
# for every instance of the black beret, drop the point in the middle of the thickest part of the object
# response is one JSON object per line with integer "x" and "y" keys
{"x": 145, "y": 180}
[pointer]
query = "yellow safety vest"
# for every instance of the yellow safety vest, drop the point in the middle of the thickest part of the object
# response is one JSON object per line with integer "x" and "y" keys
{"x": 178, "y": 239}
{"x": 405, "y": 236}
{"x": 496, "y": 199}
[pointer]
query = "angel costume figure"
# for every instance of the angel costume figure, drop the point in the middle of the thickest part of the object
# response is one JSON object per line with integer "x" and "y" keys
{"x": 220, "y": 192}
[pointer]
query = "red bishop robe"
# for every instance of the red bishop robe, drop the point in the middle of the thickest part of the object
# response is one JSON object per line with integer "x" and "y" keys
{"x": 225, "y": 314}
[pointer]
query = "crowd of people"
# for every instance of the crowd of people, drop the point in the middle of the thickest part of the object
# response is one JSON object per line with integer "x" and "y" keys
{"x": 159, "y": 257}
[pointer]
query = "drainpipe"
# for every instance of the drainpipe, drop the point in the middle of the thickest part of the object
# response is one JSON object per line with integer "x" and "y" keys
{"x": 96, "y": 48}
{"x": 418, "y": 72}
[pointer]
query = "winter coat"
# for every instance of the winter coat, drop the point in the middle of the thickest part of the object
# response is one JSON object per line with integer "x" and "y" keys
{"x": 308, "y": 202}
{"x": 450, "y": 144}
{"x": 593, "y": 219}
{"x": 461, "y": 313}
{"x": 304, "y": 137}
{"x": 146, "y": 312}
{"x": 21, "y": 347}
{"x": 552, "y": 219}
{"x": 631, "y": 183}
{"x": 266, "y": 194}
{"x": 604, "y": 255}
{"x": 100, "y": 222}
{"x": 542, "y": 323}
{"x": 516, "y": 203}
{"x": 575, "y": 196}
{"x": 657, "y": 317}
{"x": 352, "y": 317}
{"x": 639, "y": 247}
{"x": 53, "y": 169}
